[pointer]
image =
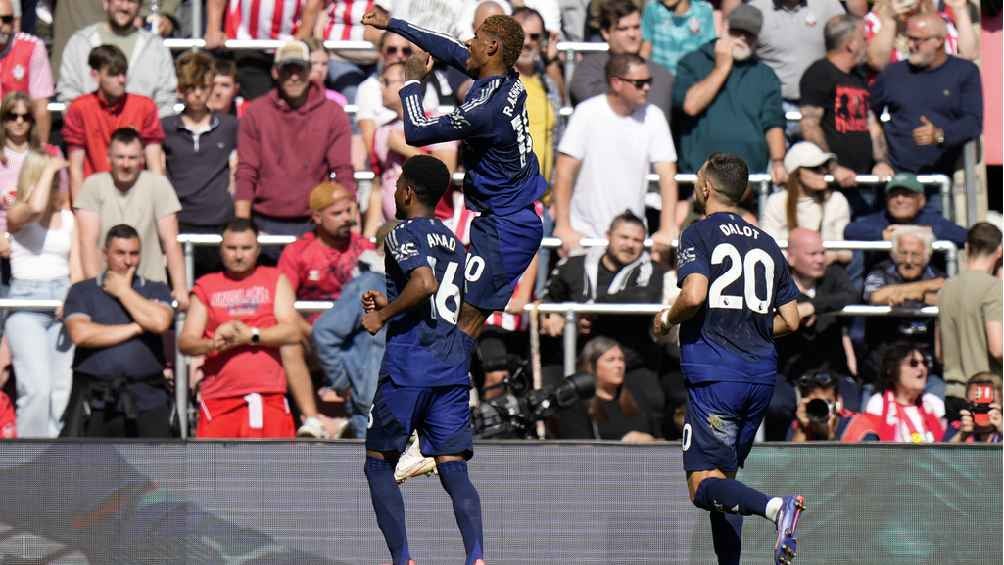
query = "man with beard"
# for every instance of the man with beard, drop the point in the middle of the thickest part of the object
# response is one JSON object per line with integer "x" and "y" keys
{"x": 151, "y": 68}
{"x": 935, "y": 103}
{"x": 729, "y": 101}
{"x": 622, "y": 272}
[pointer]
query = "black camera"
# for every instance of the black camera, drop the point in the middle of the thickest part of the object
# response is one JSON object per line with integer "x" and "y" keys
{"x": 819, "y": 410}
{"x": 513, "y": 415}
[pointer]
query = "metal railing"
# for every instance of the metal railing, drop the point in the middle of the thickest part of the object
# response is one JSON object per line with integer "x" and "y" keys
{"x": 570, "y": 310}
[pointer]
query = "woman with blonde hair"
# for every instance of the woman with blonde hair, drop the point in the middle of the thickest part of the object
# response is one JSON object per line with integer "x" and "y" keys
{"x": 44, "y": 262}
{"x": 808, "y": 201}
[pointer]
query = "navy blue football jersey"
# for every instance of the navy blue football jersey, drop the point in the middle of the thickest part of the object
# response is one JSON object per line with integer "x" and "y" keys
{"x": 503, "y": 175}
{"x": 424, "y": 345}
{"x": 732, "y": 338}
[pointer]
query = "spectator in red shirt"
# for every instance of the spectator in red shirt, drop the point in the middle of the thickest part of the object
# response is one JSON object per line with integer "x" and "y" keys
{"x": 24, "y": 67}
{"x": 322, "y": 261}
{"x": 92, "y": 118}
{"x": 287, "y": 142}
{"x": 239, "y": 319}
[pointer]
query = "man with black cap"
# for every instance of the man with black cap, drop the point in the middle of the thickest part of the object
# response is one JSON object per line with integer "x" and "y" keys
{"x": 728, "y": 100}
{"x": 287, "y": 142}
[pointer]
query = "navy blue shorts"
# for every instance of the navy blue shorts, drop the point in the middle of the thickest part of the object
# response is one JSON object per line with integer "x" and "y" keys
{"x": 441, "y": 415}
{"x": 721, "y": 423}
{"x": 501, "y": 250}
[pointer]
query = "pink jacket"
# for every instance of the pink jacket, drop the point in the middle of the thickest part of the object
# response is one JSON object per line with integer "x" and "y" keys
{"x": 283, "y": 153}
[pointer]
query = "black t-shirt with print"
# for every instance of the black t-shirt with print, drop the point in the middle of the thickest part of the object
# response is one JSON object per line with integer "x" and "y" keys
{"x": 844, "y": 100}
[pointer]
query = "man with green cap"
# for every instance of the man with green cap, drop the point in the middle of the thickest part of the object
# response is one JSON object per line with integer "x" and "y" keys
{"x": 904, "y": 204}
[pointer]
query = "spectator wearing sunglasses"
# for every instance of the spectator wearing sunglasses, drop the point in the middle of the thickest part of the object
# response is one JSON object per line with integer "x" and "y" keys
{"x": 19, "y": 133}
{"x": 611, "y": 141}
{"x": 821, "y": 414}
{"x": 372, "y": 112}
{"x": 24, "y": 67}
{"x": 808, "y": 200}
{"x": 621, "y": 27}
{"x": 906, "y": 412}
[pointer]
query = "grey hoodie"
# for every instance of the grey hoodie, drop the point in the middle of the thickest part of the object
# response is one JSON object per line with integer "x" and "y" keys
{"x": 151, "y": 69}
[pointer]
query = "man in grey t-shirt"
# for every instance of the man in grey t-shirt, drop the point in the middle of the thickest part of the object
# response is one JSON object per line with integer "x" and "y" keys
{"x": 791, "y": 39}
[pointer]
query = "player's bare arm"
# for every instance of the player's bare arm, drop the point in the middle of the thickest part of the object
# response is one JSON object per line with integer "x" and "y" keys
{"x": 787, "y": 319}
{"x": 687, "y": 304}
{"x": 421, "y": 285}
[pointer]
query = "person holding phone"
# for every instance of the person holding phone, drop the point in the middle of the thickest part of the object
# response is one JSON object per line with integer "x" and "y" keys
{"x": 980, "y": 421}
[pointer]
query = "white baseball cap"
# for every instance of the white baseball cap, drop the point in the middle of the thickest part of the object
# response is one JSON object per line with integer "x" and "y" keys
{"x": 805, "y": 154}
{"x": 293, "y": 51}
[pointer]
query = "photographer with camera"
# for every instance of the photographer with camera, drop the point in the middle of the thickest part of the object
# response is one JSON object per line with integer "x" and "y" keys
{"x": 820, "y": 415}
{"x": 980, "y": 421}
{"x": 618, "y": 410}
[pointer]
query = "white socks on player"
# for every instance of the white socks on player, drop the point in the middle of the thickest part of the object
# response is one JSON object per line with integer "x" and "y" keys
{"x": 773, "y": 507}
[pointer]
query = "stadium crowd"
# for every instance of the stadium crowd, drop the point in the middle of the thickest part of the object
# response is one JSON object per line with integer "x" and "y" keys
{"x": 153, "y": 143}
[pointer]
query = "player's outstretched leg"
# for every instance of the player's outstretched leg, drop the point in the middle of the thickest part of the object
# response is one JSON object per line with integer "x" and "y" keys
{"x": 388, "y": 505}
{"x": 727, "y": 535}
{"x": 466, "y": 505}
{"x": 720, "y": 494}
{"x": 787, "y": 520}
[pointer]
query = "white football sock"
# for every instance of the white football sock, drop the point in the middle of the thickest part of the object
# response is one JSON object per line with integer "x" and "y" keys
{"x": 773, "y": 507}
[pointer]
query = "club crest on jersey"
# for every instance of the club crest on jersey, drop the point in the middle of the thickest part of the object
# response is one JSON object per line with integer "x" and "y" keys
{"x": 684, "y": 256}
{"x": 458, "y": 120}
{"x": 406, "y": 250}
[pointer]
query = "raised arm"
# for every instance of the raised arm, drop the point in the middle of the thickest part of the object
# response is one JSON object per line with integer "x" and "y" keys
{"x": 441, "y": 46}
{"x": 420, "y": 130}
{"x": 703, "y": 92}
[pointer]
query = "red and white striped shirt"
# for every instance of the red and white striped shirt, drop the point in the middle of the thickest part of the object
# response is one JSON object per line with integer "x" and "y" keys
{"x": 263, "y": 19}
{"x": 344, "y": 19}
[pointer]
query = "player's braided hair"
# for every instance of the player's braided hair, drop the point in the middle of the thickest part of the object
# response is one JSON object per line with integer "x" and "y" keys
{"x": 510, "y": 34}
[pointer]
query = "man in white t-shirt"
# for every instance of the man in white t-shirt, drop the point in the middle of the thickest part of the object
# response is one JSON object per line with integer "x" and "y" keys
{"x": 604, "y": 159}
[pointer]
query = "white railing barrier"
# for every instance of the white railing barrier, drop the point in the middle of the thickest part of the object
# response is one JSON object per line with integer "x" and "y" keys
{"x": 190, "y": 241}
{"x": 571, "y": 310}
{"x": 569, "y": 337}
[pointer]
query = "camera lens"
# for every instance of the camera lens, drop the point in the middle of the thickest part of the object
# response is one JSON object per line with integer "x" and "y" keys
{"x": 818, "y": 409}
